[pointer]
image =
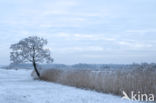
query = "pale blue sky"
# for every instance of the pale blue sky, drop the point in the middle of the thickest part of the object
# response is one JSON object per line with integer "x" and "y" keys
{"x": 83, "y": 31}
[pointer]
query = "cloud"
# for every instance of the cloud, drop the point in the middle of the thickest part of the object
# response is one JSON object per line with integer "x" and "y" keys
{"x": 79, "y": 49}
{"x": 135, "y": 45}
{"x": 93, "y": 37}
{"x": 80, "y": 27}
{"x": 141, "y": 31}
{"x": 60, "y": 7}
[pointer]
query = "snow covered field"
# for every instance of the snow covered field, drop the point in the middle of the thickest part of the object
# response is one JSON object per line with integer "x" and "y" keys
{"x": 17, "y": 86}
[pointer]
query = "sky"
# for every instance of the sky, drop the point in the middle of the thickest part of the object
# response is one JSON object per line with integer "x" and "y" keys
{"x": 83, "y": 31}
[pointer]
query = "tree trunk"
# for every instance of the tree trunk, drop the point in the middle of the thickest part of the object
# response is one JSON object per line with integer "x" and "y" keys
{"x": 35, "y": 67}
{"x": 34, "y": 63}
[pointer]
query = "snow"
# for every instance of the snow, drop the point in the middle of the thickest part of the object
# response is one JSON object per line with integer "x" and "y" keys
{"x": 17, "y": 86}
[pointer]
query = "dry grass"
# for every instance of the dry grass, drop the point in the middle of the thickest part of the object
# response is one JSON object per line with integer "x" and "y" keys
{"x": 105, "y": 81}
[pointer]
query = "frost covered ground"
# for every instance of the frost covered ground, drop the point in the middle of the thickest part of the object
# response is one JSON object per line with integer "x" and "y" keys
{"x": 17, "y": 86}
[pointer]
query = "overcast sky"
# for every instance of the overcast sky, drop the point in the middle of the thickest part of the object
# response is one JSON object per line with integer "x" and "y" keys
{"x": 83, "y": 31}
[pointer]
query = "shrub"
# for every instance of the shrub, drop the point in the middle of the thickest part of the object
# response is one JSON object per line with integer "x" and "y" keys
{"x": 107, "y": 81}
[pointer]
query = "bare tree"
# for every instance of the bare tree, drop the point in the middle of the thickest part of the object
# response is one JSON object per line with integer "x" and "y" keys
{"x": 30, "y": 50}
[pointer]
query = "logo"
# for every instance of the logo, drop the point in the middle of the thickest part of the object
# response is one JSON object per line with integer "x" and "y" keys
{"x": 138, "y": 96}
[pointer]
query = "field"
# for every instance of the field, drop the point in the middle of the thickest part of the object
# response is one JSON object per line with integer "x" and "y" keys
{"x": 17, "y": 86}
{"x": 99, "y": 79}
{"x": 133, "y": 78}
